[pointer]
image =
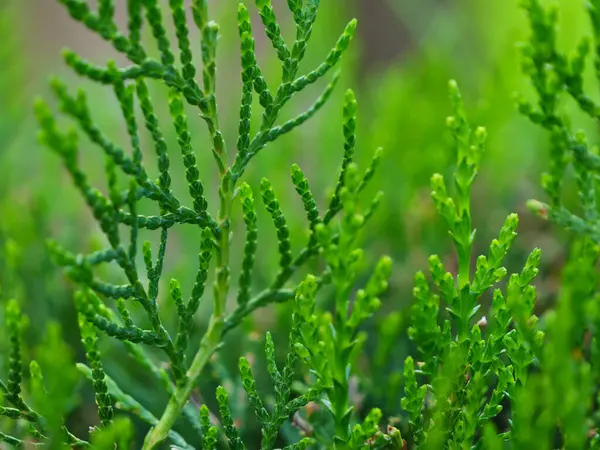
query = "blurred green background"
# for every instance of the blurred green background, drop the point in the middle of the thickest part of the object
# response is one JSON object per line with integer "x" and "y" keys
{"x": 399, "y": 65}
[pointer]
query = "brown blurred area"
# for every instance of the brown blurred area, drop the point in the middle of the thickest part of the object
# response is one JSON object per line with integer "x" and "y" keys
{"x": 383, "y": 35}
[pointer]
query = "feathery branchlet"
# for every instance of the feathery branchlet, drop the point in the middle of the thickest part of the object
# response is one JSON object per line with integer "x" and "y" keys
{"x": 190, "y": 73}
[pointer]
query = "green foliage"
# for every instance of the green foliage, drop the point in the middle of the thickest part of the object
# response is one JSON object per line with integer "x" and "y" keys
{"x": 285, "y": 406}
{"x": 542, "y": 369}
{"x": 468, "y": 355}
{"x": 130, "y": 188}
{"x": 567, "y": 358}
{"x": 554, "y": 76}
{"x": 481, "y": 359}
{"x": 103, "y": 397}
{"x": 27, "y": 426}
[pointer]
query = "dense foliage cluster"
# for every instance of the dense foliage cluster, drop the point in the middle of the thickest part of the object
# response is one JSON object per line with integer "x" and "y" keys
{"x": 488, "y": 370}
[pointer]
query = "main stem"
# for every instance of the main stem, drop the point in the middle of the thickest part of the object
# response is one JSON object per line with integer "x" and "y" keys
{"x": 464, "y": 249}
{"x": 464, "y": 246}
{"x": 340, "y": 401}
{"x": 212, "y": 338}
{"x": 464, "y": 266}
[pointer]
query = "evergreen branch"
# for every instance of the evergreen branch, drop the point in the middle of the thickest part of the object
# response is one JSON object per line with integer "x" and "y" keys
{"x": 332, "y": 59}
{"x": 283, "y": 235}
{"x": 269, "y": 20}
{"x": 263, "y": 137}
{"x": 134, "y": 9}
{"x": 250, "y": 245}
{"x": 250, "y": 72}
{"x": 80, "y": 11}
{"x": 235, "y": 443}
{"x": 98, "y": 378}
{"x": 209, "y": 432}
{"x": 149, "y": 68}
{"x": 12, "y": 390}
{"x": 181, "y": 215}
{"x": 303, "y": 190}
{"x": 160, "y": 146}
{"x": 350, "y": 107}
{"x": 566, "y": 219}
{"x": 189, "y": 158}
{"x": 140, "y": 355}
{"x": 121, "y": 208}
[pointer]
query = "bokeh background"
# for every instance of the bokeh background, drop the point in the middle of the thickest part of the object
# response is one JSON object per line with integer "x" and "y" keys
{"x": 399, "y": 65}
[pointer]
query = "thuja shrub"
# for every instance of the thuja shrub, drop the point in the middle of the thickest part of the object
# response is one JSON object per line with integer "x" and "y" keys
{"x": 324, "y": 343}
{"x": 467, "y": 364}
{"x": 487, "y": 372}
{"x": 569, "y": 382}
{"x": 511, "y": 379}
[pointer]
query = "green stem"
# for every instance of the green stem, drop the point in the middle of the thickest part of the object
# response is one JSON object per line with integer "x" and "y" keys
{"x": 208, "y": 345}
{"x": 463, "y": 247}
{"x": 222, "y": 272}
{"x": 340, "y": 392}
{"x": 464, "y": 266}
